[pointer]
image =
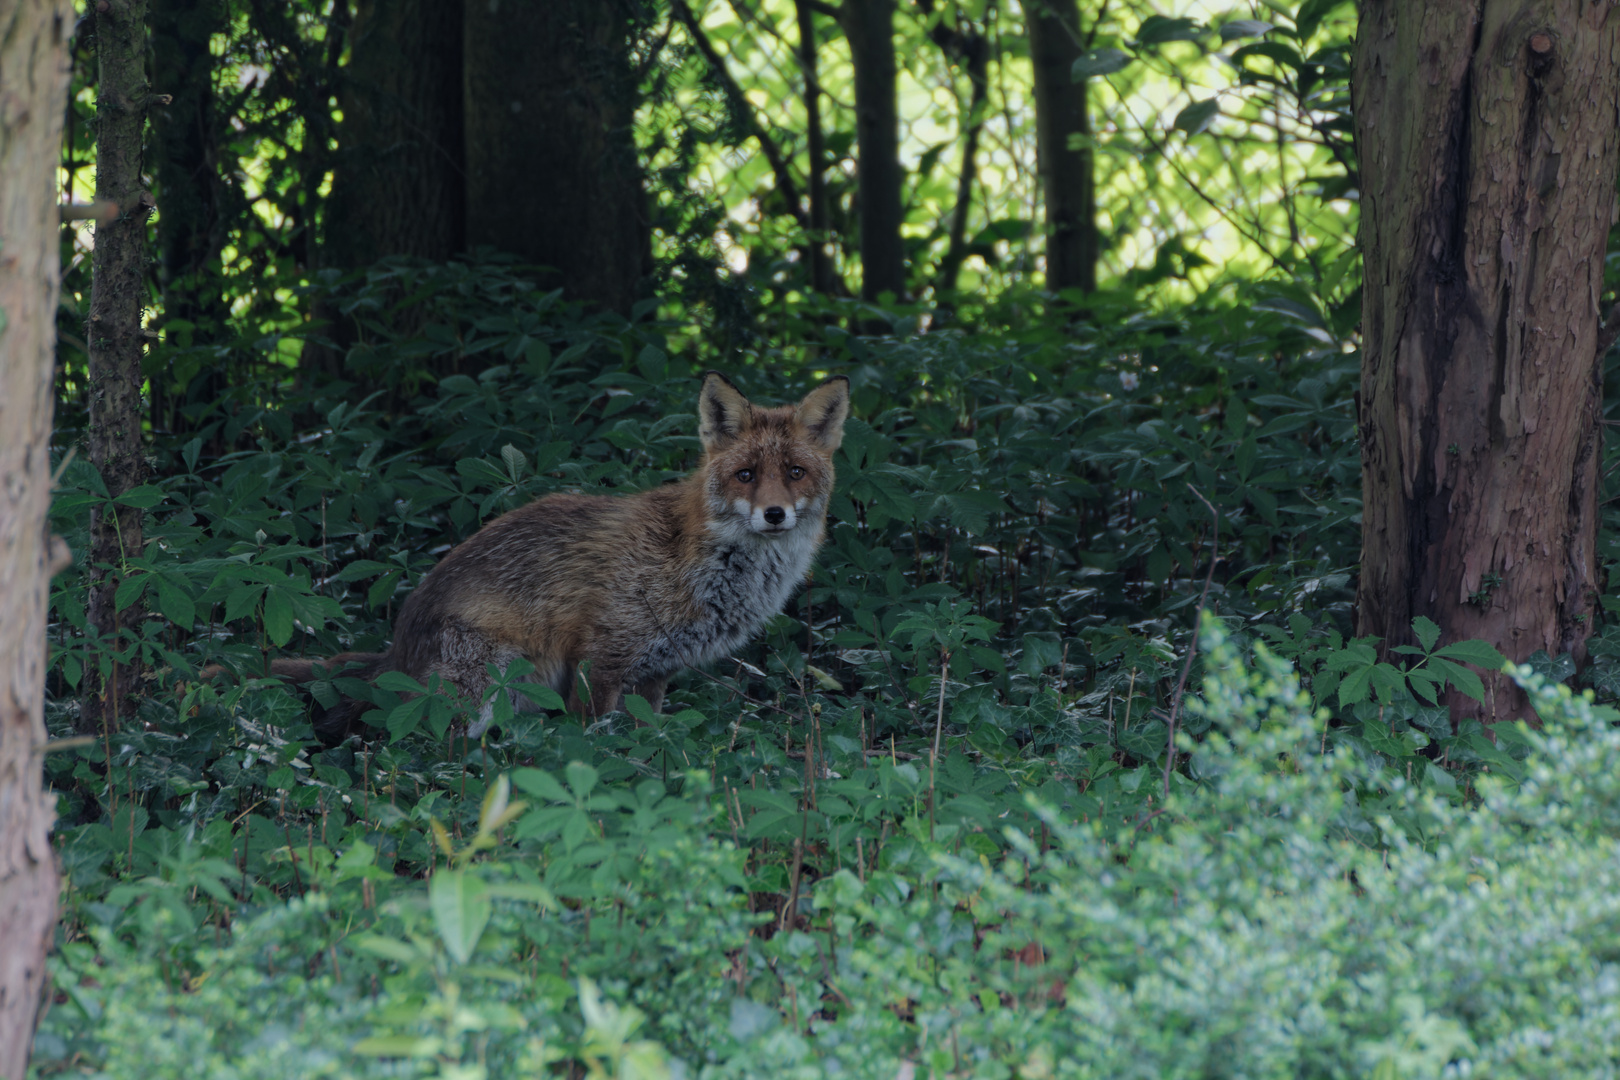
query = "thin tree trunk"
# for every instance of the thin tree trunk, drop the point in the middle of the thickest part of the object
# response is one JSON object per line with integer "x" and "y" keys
{"x": 552, "y": 170}
{"x": 116, "y": 343}
{"x": 820, "y": 253}
{"x": 1061, "y": 119}
{"x": 1487, "y": 135}
{"x": 973, "y": 48}
{"x": 869, "y": 26}
{"x": 33, "y": 87}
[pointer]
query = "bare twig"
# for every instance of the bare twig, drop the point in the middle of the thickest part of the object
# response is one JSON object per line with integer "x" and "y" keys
{"x": 939, "y": 730}
{"x": 1192, "y": 646}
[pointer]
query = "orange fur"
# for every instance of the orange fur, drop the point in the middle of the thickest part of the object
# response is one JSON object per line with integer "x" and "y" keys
{"x": 633, "y": 587}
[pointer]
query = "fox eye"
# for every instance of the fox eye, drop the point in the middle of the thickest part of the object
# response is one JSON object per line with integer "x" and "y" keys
{"x": 796, "y": 472}
{"x": 745, "y": 476}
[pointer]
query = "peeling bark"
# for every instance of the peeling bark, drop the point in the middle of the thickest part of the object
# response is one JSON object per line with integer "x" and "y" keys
{"x": 1487, "y": 132}
{"x": 33, "y": 90}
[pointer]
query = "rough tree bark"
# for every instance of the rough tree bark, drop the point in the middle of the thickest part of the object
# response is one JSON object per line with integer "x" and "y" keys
{"x": 33, "y": 87}
{"x": 1487, "y": 132}
{"x": 869, "y": 26}
{"x": 397, "y": 184}
{"x": 1067, "y": 182}
{"x": 552, "y": 171}
{"x": 116, "y": 341}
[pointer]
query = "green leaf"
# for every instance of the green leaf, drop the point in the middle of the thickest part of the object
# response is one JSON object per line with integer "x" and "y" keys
{"x": 175, "y": 605}
{"x": 241, "y": 601}
{"x": 404, "y": 718}
{"x": 144, "y": 497}
{"x": 278, "y": 617}
{"x": 129, "y": 590}
{"x": 400, "y": 683}
{"x": 1479, "y": 653}
{"x": 638, "y": 707}
{"x": 515, "y": 461}
{"x": 1356, "y": 686}
{"x": 542, "y": 784}
{"x": 1460, "y": 677}
{"x": 461, "y": 908}
{"x": 1427, "y": 632}
{"x": 1158, "y": 29}
{"x": 1197, "y": 116}
{"x": 581, "y": 777}
{"x": 543, "y": 696}
{"x": 1245, "y": 28}
{"x": 1098, "y": 62}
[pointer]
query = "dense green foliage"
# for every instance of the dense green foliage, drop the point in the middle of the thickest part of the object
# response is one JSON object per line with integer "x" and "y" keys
{"x": 1248, "y": 927}
{"x": 777, "y": 874}
{"x": 1022, "y": 530}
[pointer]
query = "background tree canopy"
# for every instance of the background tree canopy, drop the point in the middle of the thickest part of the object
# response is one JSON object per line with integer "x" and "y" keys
{"x": 1124, "y": 355}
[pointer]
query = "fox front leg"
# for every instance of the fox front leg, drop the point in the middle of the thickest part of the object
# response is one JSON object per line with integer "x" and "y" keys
{"x": 596, "y": 689}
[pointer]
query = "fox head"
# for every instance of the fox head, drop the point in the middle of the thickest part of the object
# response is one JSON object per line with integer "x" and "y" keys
{"x": 769, "y": 472}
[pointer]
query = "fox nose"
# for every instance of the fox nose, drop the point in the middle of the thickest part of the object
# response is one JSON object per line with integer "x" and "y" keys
{"x": 775, "y": 515}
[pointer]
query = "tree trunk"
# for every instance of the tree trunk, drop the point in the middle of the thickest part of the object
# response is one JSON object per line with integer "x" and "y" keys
{"x": 1066, "y": 174}
{"x": 1487, "y": 136}
{"x": 820, "y": 247}
{"x": 398, "y": 176}
{"x": 187, "y": 166}
{"x": 1066, "y": 170}
{"x": 972, "y": 48}
{"x": 869, "y": 26}
{"x": 33, "y": 88}
{"x": 398, "y": 185}
{"x": 116, "y": 343}
{"x": 552, "y": 170}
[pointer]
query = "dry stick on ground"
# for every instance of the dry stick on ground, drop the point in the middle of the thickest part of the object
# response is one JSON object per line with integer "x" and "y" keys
{"x": 1192, "y": 646}
{"x": 939, "y": 728}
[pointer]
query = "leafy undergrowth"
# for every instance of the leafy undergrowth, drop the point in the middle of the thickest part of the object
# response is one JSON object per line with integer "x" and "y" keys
{"x": 776, "y": 871}
{"x": 1257, "y": 923}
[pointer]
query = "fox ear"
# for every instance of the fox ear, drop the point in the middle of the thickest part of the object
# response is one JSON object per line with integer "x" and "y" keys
{"x": 722, "y": 411}
{"x": 823, "y": 412}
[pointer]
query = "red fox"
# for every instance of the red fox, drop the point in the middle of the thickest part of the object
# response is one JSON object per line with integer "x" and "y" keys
{"x": 637, "y": 587}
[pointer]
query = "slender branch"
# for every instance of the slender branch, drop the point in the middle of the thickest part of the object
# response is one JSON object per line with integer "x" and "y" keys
{"x": 717, "y": 64}
{"x": 1192, "y": 646}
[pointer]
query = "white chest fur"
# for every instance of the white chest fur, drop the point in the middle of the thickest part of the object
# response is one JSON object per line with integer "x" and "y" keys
{"x": 741, "y": 582}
